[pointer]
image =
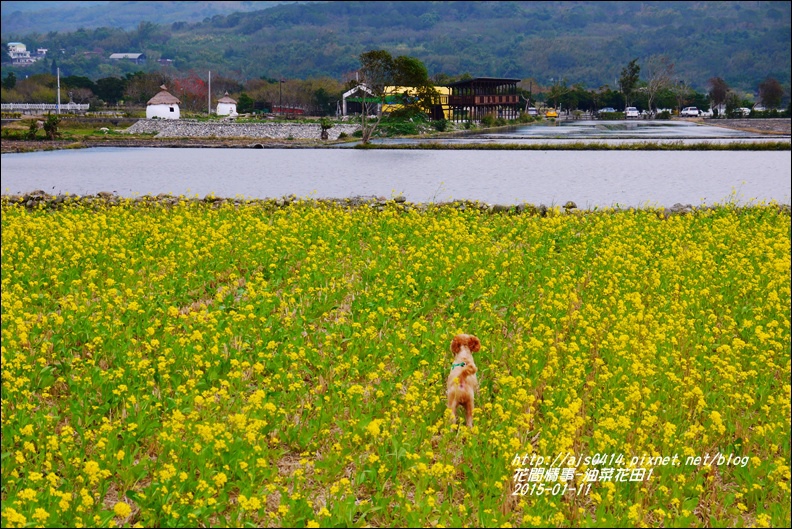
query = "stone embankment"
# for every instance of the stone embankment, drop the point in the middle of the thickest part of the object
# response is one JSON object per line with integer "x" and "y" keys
{"x": 165, "y": 128}
{"x": 40, "y": 199}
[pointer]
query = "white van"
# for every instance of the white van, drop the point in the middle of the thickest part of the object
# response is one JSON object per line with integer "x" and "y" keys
{"x": 689, "y": 112}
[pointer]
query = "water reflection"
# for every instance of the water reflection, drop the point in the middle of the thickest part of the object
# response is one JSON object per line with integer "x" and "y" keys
{"x": 611, "y": 132}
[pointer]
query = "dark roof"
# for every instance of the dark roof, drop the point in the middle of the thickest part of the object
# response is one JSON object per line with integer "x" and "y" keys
{"x": 487, "y": 80}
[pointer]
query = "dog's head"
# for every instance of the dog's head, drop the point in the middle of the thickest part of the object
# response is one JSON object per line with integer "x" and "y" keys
{"x": 465, "y": 340}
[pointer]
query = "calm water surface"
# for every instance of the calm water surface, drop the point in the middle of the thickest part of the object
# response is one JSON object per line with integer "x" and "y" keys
{"x": 609, "y": 132}
{"x": 590, "y": 178}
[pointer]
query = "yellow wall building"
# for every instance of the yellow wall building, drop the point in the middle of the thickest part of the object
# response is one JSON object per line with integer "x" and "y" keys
{"x": 440, "y": 108}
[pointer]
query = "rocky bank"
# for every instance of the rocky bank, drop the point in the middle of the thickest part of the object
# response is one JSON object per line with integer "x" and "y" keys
{"x": 183, "y": 128}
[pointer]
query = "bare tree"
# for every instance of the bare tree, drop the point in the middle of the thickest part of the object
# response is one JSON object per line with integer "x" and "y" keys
{"x": 81, "y": 95}
{"x": 771, "y": 92}
{"x": 660, "y": 71}
{"x": 718, "y": 90}
{"x": 682, "y": 93}
{"x": 143, "y": 86}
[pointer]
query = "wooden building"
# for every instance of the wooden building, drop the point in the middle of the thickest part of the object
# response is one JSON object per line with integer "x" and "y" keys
{"x": 475, "y": 98}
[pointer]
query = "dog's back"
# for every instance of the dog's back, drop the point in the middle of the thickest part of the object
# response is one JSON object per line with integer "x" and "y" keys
{"x": 462, "y": 382}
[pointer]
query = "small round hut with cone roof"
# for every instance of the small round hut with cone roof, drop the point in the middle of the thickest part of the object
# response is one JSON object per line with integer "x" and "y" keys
{"x": 164, "y": 105}
{"x": 226, "y": 106}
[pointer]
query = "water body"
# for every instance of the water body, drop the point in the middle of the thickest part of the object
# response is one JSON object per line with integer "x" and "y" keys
{"x": 608, "y": 132}
{"x": 589, "y": 178}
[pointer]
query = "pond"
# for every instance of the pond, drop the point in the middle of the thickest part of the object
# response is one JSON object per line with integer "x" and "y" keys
{"x": 592, "y": 179}
{"x": 608, "y": 132}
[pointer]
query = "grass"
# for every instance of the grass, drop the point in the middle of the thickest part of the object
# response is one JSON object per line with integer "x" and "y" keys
{"x": 222, "y": 364}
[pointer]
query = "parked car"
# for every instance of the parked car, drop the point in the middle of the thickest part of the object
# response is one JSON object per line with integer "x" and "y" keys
{"x": 689, "y": 112}
{"x": 607, "y": 109}
{"x": 745, "y": 111}
{"x": 551, "y": 113}
{"x": 706, "y": 113}
{"x": 632, "y": 112}
{"x": 532, "y": 111}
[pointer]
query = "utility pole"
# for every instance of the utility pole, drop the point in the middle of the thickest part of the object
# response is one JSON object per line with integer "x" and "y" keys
{"x": 210, "y": 93}
{"x": 280, "y": 96}
{"x": 58, "y": 90}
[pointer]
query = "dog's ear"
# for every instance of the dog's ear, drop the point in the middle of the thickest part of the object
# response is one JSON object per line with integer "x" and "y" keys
{"x": 474, "y": 344}
{"x": 456, "y": 344}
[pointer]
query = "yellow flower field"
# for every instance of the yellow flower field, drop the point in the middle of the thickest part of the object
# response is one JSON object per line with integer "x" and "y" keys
{"x": 242, "y": 364}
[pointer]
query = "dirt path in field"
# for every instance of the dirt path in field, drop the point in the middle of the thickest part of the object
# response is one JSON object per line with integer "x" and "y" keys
{"x": 779, "y": 126}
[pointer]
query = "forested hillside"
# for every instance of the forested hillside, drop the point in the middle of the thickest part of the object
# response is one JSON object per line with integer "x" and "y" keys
{"x": 576, "y": 42}
{"x": 21, "y": 18}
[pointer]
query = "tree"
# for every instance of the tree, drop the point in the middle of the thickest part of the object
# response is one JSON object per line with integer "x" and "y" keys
{"x": 383, "y": 75}
{"x": 557, "y": 93}
{"x": 629, "y": 80}
{"x": 718, "y": 90}
{"x": 76, "y": 81}
{"x": 110, "y": 89}
{"x": 323, "y": 102}
{"x": 660, "y": 71}
{"x": 9, "y": 82}
{"x": 140, "y": 87}
{"x": 80, "y": 95}
{"x": 51, "y": 126}
{"x": 682, "y": 94}
{"x": 245, "y": 103}
{"x": 192, "y": 91}
{"x": 771, "y": 92}
{"x": 733, "y": 104}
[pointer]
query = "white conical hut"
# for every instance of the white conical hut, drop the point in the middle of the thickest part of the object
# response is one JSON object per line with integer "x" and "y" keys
{"x": 226, "y": 106}
{"x": 164, "y": 105}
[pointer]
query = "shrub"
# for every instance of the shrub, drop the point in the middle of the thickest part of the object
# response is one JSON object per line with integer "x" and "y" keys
{"x": 611, "y": 115}
{"x": 488, "y": 120}
{"x": 440, "y": 125}
{"x": 32, "y": 131}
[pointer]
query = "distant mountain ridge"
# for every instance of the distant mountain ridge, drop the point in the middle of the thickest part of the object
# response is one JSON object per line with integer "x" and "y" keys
{"x": 573, "y": 42}
{"x": 43, "y": 17}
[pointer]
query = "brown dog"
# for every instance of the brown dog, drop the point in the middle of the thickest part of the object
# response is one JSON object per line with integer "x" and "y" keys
{"x": 462, "y": 382}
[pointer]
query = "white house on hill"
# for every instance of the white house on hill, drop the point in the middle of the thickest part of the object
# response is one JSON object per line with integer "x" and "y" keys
{"x": 137, "y": 58}
{"x": 164, "y": 105}
{"x": 226, "y": 106}
{"x": 20, "y": 56}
